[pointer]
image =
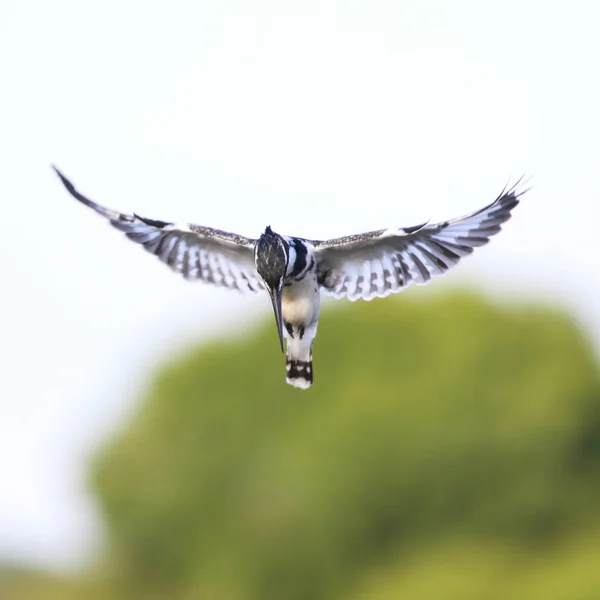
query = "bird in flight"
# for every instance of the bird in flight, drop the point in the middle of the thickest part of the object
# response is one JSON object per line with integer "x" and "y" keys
{"x": 294, "y": 271}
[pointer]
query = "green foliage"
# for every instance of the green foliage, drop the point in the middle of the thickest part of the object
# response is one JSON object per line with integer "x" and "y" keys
{"x": 20, "y": 584}
{"x": 448, "y": 449}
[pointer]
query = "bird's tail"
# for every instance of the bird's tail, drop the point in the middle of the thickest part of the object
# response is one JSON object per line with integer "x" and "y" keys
{"x": 299, "y": 368}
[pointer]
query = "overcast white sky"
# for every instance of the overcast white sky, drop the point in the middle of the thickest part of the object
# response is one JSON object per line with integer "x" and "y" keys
{"x": 318, "y": 118}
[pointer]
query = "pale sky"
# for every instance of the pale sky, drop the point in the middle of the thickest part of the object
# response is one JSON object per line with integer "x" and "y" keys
{"x": 318, "y": 118}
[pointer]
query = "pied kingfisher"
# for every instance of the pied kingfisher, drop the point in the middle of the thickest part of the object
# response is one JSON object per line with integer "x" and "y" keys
{"x": 295, "y": 270}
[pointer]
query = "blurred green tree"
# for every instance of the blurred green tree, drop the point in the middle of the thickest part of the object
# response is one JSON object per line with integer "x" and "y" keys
{"x": 448, "y": 449}
{"x": 27, "y": 584}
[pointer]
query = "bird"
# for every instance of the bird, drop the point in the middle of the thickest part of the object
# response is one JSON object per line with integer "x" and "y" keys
{"x": 294, "y": 271}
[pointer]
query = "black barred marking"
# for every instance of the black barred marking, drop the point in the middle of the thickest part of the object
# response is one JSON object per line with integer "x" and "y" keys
{"x": 153, "y": 222}
{"x": 301, "y": 254}
{"x": 378, "y": 263}
{"x": 438, "y": 262}
{"x": 196, "y": 252}
{"x": 300, "y": 330}
{"x": 290, "y": 329}
{"x": 307, "y": 270}
{"x": 414, "y": 228}
{"x": 442, "y": 249}
{"x": 420, "y": 266}
{"x": 300, "y": 369}
{"x": 299, "y": 366}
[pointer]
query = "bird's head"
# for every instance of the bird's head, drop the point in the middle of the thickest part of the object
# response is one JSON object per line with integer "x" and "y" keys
{"x": 271, "y": 258}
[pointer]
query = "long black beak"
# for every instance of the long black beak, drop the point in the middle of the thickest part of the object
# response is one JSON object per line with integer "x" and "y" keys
{"x": 276, "y": 301}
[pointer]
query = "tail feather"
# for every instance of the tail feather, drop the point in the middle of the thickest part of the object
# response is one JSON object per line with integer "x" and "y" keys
{"x": 299, "y": 373}
{"x": 299, "y": 367}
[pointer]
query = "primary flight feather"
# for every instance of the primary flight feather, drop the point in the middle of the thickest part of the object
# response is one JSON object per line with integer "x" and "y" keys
{"x": 294, "y": 271}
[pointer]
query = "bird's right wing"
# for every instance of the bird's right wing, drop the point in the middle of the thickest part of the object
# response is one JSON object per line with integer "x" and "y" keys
{"x": 379, "y": 263}
{"x": 198, "y": 253}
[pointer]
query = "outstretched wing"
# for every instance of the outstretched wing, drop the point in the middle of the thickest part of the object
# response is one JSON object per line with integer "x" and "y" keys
{"x": 382, "y": 262}
{"x": 198, "y": 253}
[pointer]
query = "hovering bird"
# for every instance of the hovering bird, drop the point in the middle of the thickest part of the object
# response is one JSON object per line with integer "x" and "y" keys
{"x": 294, "y": 271}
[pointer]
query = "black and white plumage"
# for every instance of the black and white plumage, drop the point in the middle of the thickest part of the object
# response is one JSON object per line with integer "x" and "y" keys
{"x": 293, "y": 271}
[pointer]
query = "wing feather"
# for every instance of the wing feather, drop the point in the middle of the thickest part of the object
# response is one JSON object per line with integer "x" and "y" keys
{"x": 378, "y": 263}
{"x": 198, "y": 253}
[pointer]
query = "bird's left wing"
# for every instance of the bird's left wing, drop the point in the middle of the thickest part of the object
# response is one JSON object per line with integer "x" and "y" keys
{"x": 382, "y": 262}
{"x": 199, "y": 253}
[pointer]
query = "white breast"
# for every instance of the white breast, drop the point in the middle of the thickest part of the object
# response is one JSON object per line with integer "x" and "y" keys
{"x": 300, "y": 302}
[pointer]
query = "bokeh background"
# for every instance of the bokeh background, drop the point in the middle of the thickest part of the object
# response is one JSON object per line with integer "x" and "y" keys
{"x": 149, "y": 447}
